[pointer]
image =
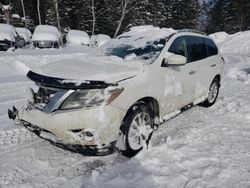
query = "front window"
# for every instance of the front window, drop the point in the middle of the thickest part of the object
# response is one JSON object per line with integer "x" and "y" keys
{"x": 179, "y": 47}
{"x": 150, "y": 50}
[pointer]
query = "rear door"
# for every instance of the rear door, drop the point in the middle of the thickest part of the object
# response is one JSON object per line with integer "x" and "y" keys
{"x": 199, "y": 62}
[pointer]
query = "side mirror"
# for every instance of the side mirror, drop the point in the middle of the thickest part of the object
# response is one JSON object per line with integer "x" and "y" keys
{"x": 174, "y": 60}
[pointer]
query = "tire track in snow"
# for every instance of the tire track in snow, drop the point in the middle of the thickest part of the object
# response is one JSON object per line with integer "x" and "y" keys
{"x": 14, "y": 84}
{"x": 16, "y": 139}
{"x": 18, "y": 101}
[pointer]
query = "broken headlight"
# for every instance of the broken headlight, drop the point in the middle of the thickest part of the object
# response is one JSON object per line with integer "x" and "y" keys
{"x": 90, "y": 98}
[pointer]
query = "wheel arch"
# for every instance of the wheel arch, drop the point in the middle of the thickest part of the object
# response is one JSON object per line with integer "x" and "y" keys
{"x": 149, "y": 101}
{"x": 218, "y": 76}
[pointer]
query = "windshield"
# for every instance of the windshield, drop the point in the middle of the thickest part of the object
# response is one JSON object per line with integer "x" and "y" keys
{"x": 141, "y": 43}
{"x": 151, "y": 49}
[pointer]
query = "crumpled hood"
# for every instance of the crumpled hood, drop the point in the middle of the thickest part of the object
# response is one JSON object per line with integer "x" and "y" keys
{"x": 109, "y": 69}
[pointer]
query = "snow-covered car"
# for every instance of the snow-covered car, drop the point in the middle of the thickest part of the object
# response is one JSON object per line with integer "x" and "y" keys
{"x": 46, "y": 36}
{"x": 25, "y": 34}
{"x": 119, "y": 96}
{"x": 77, "y": 37}
{"x": 21, "y": 42}
{"x": 99, "y": 40}
{"x": 9, "y": 39}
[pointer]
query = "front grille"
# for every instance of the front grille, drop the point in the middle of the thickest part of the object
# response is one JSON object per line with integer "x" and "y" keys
{"x": 46, "y": 44}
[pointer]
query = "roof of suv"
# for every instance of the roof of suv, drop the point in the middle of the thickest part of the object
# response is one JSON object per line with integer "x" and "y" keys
{"x": 192, "y": 31}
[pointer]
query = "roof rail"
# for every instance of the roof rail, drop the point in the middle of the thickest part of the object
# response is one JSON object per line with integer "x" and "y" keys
{"x": 193, "y": 31}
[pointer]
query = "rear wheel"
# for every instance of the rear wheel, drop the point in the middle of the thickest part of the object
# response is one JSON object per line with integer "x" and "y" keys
{"x": 137, "y": 129}
{"x": 213, "y": 93}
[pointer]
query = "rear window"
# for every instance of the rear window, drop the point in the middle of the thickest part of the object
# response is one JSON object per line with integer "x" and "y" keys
{"x": 211, "y": 47}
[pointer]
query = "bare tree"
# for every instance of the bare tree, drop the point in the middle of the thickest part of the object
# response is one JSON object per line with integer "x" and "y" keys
{"x": 93, "y": 17}
{"x": 24, "y": 15}
{"x": 96, "y": 14}
{"x": 6, "y": 10}
{"x": 124, "y": 7}
{"x": 155, "y": 4}
{"x": 38, "y": 11}
{"x": 57, "y": 14}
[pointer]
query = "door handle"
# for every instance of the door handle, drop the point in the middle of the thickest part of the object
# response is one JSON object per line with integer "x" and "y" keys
{"x": 192, "y": 72}
{"x": 213, "y": 65}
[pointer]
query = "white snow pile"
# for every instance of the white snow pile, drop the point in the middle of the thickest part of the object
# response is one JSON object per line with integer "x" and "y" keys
{"x": 99, "y": 40}
{"x": 7, "y": 32}
{"x": 238, "y": 43}
{"x": 219, "y": 37}
{"x": 46, "y": 33}
{"x": 77, "y": 37}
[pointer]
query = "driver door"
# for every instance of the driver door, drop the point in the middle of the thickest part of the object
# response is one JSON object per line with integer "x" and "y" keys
{"x": 181, "y": 76}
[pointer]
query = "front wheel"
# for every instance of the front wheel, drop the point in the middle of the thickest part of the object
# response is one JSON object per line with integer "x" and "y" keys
{"x": 212, "y": 93}
{"x": 137, "y": 129}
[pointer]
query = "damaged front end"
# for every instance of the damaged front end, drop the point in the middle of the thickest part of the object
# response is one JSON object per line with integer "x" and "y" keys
{"x": 63, "y": 112}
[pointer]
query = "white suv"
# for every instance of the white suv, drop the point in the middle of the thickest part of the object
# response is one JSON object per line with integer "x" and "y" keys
{"x": 116, "y": 97}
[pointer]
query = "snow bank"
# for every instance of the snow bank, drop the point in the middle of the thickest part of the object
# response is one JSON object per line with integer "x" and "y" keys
{"x": 100, "y": 40}
{"x": 238, "y": 43}
{"x": 219, "y": 37}
{"x": 77, "y": 37}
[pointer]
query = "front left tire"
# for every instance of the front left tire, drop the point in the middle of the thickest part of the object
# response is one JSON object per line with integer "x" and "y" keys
{"x": 137, "y": 129}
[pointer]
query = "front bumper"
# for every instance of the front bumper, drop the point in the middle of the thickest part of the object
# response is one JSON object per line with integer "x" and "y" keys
{"x": 46, "y": 44}
{"x": 70, "y": 127}
{"x": 5, "y": 45}
{"x": 87, "y": 150}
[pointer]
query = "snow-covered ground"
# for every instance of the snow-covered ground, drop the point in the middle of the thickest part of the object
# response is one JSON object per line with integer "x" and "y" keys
{"x": 201, "y": 147}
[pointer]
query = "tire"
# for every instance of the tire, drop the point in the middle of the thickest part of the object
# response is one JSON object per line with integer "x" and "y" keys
{"x": 137, "y": 129}
{"x": 212, "y": 93}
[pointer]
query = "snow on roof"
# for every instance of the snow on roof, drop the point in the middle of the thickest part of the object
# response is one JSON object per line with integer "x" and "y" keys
{"x": 6, "y": 36}
{"x": 16, "y": 16}
{"x": 46, "y": 28}
{"x": 24, "y": 32}
{"x": 139, "y": 36}
{"x": 144, "y": 42}
{"x": 7, "y": 32}
{"x": 46, "y": 32}
{"x": 78, "y": 37}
